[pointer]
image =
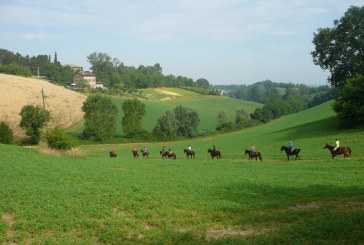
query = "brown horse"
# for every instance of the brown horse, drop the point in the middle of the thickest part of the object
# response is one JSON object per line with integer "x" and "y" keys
{"x": 214, "y": 153}
{"x": 113, "y": 154}
{"x": 291, "y": 153}
{"x": 346, "y": 151}
{"x": 255, "y": 155}
{"x": 189, "y": 153}
{"x": 167, "y": 154}
{"x": 144, "y": 153}
{"x": 135, "y": 153}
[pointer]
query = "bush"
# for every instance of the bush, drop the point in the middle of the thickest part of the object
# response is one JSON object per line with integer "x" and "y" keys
{"x": 58, "y": 140}
{"x": 16, "y": 69}
{"x": 6, "y": 133}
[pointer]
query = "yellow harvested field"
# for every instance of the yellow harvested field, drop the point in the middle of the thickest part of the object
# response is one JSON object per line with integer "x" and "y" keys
{"x": 16, "y": 92}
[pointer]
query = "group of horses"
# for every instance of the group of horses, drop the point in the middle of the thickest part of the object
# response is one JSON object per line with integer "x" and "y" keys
{"x": 346, "y": 151}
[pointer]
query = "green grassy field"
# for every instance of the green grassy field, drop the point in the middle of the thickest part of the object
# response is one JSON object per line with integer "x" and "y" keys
{"x": 207, "y": 107}
{"x": 90, "y": 198}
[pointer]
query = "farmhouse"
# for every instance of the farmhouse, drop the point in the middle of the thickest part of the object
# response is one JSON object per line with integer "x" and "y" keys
{"x": 89, "y": 77}
{"x": 75, "y": 68}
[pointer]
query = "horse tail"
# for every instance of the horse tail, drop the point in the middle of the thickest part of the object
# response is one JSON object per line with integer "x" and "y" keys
{"x": 260, "y": 157}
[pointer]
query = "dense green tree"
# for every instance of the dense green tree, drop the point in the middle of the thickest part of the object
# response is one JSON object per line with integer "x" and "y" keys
{"x": 134, "y": 111}
{"x": 100, "y": 117}
{"x": 188, "y": 121}
{"x": 166, "y": 127}
{"x": 340, "y": 49}
{"x": 242, "y": 118}
{"x": 202, "y": 82}
{"x": 33, "y": 118}
{"x": 222, "y": 118}
{"x": 349, "y": 106}
{"x": 6, "y": 133}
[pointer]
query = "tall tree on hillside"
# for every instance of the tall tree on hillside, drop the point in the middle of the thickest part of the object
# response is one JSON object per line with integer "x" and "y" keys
{"x": 133, "y": 110}
{"x": 349, "y": 106}
{"x": 188, "y": 121}
{"x": 100, "y": 117}
{"x": 55, "y": 61}
{"x": 340, "y": 49}
{"x": 33, "y": 118}
{"x": 166, "y": 127}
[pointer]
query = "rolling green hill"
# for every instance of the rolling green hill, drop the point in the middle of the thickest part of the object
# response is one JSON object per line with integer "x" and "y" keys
{"x": 90, "y": 198}
{"x": 158, "y": 102}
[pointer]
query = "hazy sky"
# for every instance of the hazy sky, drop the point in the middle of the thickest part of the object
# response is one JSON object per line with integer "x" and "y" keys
{"x": 224, "y": 41}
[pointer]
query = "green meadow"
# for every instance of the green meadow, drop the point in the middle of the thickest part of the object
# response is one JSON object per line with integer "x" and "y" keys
{"x": 86, "y": 197}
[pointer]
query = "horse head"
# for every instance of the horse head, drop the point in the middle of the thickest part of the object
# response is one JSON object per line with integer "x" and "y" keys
{"x": 327, "y": 146}
{"x": 283, "y": 148}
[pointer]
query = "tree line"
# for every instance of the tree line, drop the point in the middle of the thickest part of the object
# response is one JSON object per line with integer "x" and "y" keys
{"x": 280, "y": 98}
{"x": 110, "y": 71}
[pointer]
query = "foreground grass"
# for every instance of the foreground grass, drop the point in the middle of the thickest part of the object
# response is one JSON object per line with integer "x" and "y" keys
{"x": 91, "y": 198}
{"x": 47, "y": 199}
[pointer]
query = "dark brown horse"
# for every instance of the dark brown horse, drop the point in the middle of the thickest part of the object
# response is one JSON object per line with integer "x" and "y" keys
{"x": 167, "y": 154}
{"x": 113, "y": 154}
{"x": 214, "y": 153}
{"x": 189, "y": 153}
{"x": 346, "y": 151}
{"x": 255, "y": 155}
{"x": 288, "y": 151}
{"x": 144, "y": 153}
{"x": 135, "y": 153}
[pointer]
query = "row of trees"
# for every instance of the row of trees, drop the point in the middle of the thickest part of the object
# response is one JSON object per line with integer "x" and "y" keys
{"x": 263, "y": 91}
{"x": 100, "y": 119}
{"x": 280, "y": 98}
{"x": 114, "y": 74}
{"x": 110, "y": 71}
{"x": 41, "y": 65}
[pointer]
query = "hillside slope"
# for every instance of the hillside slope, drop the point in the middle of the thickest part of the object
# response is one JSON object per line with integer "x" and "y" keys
{"x": 15, "y": 92}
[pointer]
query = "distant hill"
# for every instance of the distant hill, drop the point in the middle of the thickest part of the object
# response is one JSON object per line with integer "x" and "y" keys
{"x": 15, "y": 92}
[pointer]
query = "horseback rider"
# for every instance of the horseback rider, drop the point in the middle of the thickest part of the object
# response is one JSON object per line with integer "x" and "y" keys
{"x": 170, "y": 151}
{"x": 145, "y": 150}
{"x": 189, "y": 148}
{"x": 163, "y": 150}
{"x": 213, "y": 148}
{"x": 290, "y": 146}
{"x": 252, "y": 150}
{"x": 337, "y": 146}
{"x": 112, "y": 153}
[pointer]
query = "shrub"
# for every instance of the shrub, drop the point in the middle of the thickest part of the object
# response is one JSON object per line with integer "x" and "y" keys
{"x": 6, "y": 133}
{"x": 16, "y": 69}
{"x": 57, "y": 139}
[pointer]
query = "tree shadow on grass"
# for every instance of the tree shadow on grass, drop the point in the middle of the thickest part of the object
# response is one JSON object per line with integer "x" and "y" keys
{"x": 320, "y": 128}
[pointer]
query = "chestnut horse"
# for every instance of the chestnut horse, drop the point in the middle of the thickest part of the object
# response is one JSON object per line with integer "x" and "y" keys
{"x": 255, "y": 155}
{"x": 214, "y": 153}
{"x": 166, "y": 154}
{"x": 135, "y": 153}
{"x": 341, "y": 150}
{"x": 291, "y": 153}
{"x": 189, "y": 153}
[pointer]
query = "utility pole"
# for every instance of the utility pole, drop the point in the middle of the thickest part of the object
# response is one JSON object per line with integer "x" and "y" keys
{"x": 38, "y": 76}
{"x": 44, "y": 111}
